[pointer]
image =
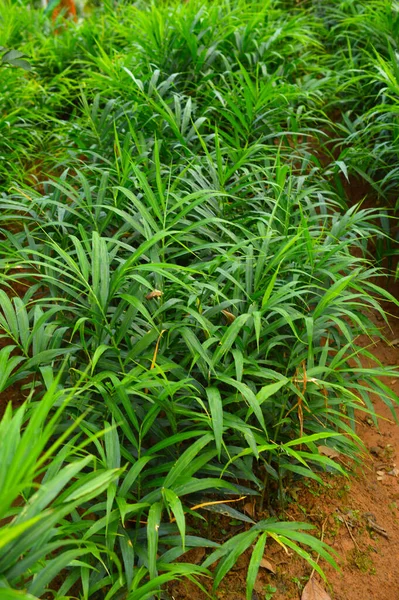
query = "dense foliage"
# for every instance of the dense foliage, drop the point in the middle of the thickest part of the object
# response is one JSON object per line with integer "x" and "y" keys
{"x": 184, "y": 277}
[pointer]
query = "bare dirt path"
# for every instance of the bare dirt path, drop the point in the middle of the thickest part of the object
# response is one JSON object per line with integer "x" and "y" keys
{"x": 370, "y": 557}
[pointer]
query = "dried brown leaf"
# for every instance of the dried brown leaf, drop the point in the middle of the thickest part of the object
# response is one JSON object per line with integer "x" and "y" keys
{"x": 372, "y": 524}
{"x": 229, "y": 316}
{"x": 314, "y": 591}
{"x": 249, "y": 508}
{"x": 154, "y": 294}
{"x": 266, "y": 564}
{"x": 330, "y": 452}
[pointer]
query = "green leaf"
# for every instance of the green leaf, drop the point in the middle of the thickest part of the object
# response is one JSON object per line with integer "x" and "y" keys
{"x": 11, "y": 532}
{"x": 153, "y": 524}
{"x": 175, "y": 505}
{"x": 8, "y": 594}
{"x": 269, "y": 390}
{"x": 229, "y": 337}
{"x": 254, "y": 564}
{"x": 216, "y": 408}
{"x": 232, "y": 551}
{"x": 181, "y": 465}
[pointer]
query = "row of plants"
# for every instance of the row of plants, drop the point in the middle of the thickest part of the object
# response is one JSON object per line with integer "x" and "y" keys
{"x": 184, "y": 281}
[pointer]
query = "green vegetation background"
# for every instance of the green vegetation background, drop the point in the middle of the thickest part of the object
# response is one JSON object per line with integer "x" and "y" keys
{"x": 177, "y": 218}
